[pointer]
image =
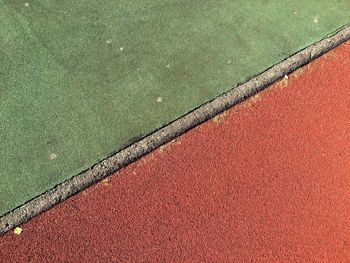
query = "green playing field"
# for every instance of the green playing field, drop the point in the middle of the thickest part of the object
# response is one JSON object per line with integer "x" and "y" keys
{"x": 81, "y": 79}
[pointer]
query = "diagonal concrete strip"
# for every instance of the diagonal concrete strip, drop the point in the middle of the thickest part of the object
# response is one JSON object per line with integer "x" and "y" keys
{"x": 169, "y": 132}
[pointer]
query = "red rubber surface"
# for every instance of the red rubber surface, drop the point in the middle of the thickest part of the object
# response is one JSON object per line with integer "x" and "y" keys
{"x": 268, "y": 181}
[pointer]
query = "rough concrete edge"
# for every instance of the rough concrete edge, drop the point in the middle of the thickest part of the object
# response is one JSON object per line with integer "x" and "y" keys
{"x": 169, "y": 132}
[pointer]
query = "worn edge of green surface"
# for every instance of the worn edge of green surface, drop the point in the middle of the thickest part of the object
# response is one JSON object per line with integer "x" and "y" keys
{"x": 169, "y": 132}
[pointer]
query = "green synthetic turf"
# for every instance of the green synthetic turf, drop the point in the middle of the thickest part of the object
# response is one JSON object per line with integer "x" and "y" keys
{"x": 81, "y": 79}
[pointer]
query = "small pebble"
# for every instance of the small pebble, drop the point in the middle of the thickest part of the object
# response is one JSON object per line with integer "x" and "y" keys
{"x": 53, "y": 156}
{"x": 18, "y": 230}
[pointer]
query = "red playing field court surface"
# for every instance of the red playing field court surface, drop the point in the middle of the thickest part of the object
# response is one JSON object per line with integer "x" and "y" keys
{"x": 267, "y": 181}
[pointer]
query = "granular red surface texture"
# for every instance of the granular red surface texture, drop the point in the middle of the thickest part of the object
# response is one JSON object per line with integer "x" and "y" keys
{"x": 267, "y": 181}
